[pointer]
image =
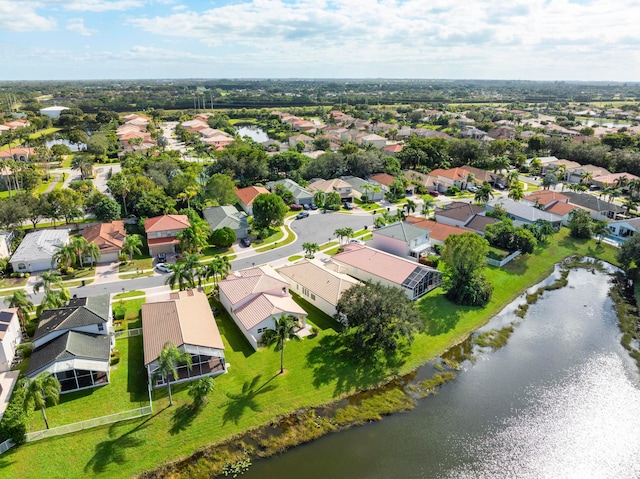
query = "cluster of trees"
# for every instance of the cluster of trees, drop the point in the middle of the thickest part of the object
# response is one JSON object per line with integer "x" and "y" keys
{"x": 581, "y": 225}
{"x": 506, "y": 236}
{"x": 189, "y": 272}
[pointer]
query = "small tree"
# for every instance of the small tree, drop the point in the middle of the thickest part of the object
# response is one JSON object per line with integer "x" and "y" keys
{"x": 19, "y": 299}
{"x": 41, "y": 389}
{"x": 168, "y": 362}
{"x": 131, "y": 245}
{"x": 223, "y": 237}
{"x": 200, "y": 389}
{"x": 284, "y": 330}
{"x": 343, "y": 233}
{"x": 310, "y": 249}
{"x": 268, "y": 210}
{"x": 580, "y": 224}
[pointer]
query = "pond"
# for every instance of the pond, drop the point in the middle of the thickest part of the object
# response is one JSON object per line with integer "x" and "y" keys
{"x": 252, "y": 131}
{"x": 62, "y": 141}
{"x": 559, "y": 400}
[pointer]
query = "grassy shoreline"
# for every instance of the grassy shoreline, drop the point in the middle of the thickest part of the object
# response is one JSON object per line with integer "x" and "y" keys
{"x": 253, "y": 394}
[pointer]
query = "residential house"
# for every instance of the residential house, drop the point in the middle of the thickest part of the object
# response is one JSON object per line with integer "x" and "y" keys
{"x": 221, "y": 216}
{"x": 109, "y": 238}
{"x": 402, "y": 239}
{"x": 445, "y": 179}
{"x": 551, "y": 202}
{"x": 363, "y": 187}
{"x": 611, "y": 179}
{"x": 624, "y": 229}
{"x": 438, "y": 232}
{"x": 306, "y": 140}
{"x": 187, "y": 322}
{"x": 6, "y": 238}
{"x": 475, "y": 134}
{"x": 419, "y": 181}
{"x": 597, "y": 208}
{"x": 17, "y": 154}
{"x": 255, "y": 297}
{"x": 10, "y": 337}
{"x": 162, "y": 232}
{"x": 320, "y": 286}
{"x": 247, "y": 195}
{"x": 383, "y": 180}
{"x": 557, "y": 166}
{"x": 457, "y": 213}
{"x": 74, "y": 344}
{"x": 341, "y": 187}
{"x": 300, "y": 195}
{"x": 502, "y": 133}
{"x": 524, "y": 213}
{"x": 576, "y": 176}
{"x": 369, "y": 264}
{"x": 393, "y": 150}
{"x": 480, "y": 176}
{"x": 377, "y": 141}
{"x": 36, "y": 250}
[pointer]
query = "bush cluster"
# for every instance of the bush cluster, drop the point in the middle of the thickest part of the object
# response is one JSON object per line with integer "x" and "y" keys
{"x": 15, "y": 418}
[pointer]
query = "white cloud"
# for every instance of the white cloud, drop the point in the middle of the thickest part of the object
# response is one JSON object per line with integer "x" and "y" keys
{"x": 77, "y": 25}
{"x": 22, "y": 17}
{"x": 100, "y": 5}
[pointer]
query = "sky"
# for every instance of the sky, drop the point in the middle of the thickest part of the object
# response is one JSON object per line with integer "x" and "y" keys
{"x": 471, "y": 39}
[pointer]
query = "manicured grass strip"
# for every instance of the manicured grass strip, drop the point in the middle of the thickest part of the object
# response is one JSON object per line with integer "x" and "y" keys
{"x": 290, "y": 239}
{"x": 129, "y": 294}
{"x": 137, "y": 264}
{"x": 295, "y": 257}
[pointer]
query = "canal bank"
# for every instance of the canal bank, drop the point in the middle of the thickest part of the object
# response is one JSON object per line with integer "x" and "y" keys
{"x": 401, "y": 394}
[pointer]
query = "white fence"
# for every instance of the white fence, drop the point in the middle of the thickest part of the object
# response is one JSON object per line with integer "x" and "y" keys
{"x": 88, "y": 424}
{"x": 127, "y": 333}
{"x": 500, "y": 264}
{"x": 6, "y": 445}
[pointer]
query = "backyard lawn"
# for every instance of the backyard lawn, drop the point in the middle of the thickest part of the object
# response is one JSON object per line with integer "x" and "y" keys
{"x": 318, "y": 370}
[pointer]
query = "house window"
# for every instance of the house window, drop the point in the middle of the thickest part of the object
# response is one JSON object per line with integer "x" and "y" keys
{"x": 305, "y": 291}
{"x": 262, "y": 330}
{"x": 313, "y": 296}
{"x": 100, "y": 327}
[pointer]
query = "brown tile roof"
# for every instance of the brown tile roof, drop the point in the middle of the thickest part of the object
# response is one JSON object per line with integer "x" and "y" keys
{"x": 264, "y": 306}
{"x": 165, "y": 223}
{"x": 248, "y": 194}
{"x": 452, "y": 174}
{"x": 610, "y": 179}
{"x": 383, "y": 178}
{"x": 479, "y": 222}
{"x": 459, "y": 210}
{"x": 108, "y": 236}
{"x": 544, "y": 197}
{"x": 438, "y": 231}
{"x": 186, "y": 319}
{"x": 561, "y": 209}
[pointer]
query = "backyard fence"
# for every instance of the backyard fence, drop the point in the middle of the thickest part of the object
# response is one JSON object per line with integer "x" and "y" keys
{"x": 127, "y": 333}
{"x": 500, "y": 264}
{"x": 88, "y": 424}
{"x": 6, "y": 445}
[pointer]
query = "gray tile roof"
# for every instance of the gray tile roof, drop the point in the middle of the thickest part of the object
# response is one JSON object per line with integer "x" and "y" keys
{"x": 70, "y": 345}
{"x": 78, "y": 313}
{"x": 40, "y": 244}
{"x": 591, "y": 202}
{"x": 221, "y": 216}
{"x": 402, "y": 231}
{"x": 296, "y": 190}
{"x": 525, "y": 211}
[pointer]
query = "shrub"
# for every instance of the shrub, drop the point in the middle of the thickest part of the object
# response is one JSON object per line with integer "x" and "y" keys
{"x": 115, "y": 357}
{"x": 223, "y": 237}
{"x": 452, "y": 191}
{"x": 14, "y": 421}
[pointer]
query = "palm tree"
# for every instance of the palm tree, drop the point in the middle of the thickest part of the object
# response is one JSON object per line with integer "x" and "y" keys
{"x": 310, "y": 248}
{"x": 40, "y": 389}
{"x": 284, "y": 330}
{"x": 545, "y": 229}
{"x": 182, "y": 275}
{"x": 200, "y": 389}
{"x": 343, "y": 233}
{"x": 80, "y": 244}
{"x": 500, "y": 163}
{"x": 621, "y": 182}
{"x": 188, "y": 193}
{"x": 47, "y": 280}
{"x": 484, "y": 193}
{"x": 599, "y": 229}
{"x": 369, "y": 188}
{"x": 410, "y": 206}
{"x": 319, "y": 198}
{"x": 19, "y": 299}
{"x": 427, "y": 205}
{"x": 64, "y": 257}
{"x": 131, "y": 245}
{"x": 168, "y": 362}
{"x": 84, "y": 164}
{"x": 550, "y": 179}
{"x": 53, "y": 300}
{"x": 92, "y": 252}
{"x": 586, "y": 177}
{"x": 512, "y": 177}
{"x": 516, "y": 193}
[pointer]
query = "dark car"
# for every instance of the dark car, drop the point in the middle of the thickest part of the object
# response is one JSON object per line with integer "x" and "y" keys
{"x": 313, "y": 206}
{"x": 434, "y": 193}
{"x": 162, "y": 257}
{"x": 245, "y": 242}
{"x": 302, "y": 214}
{"x": 306, "y": 207}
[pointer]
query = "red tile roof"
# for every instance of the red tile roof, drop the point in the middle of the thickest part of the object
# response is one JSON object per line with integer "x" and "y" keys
{"x": 561, "y": 209}
{"x": 438, "y": 231}
{"x": 248, "y": 194}
{"x": 166, "y": 222}
{"x": 544, "y": 197}
{"x": 383, "y": 178}
{"x": 108, "y": 236}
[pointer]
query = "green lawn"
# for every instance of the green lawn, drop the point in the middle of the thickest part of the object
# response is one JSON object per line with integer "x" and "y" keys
{"x": 129, "y": 294}
{"x": 277, "y": 243}
{"x": 139, "y": 263}
{"x": 13, "y": 282}
{"x": 319, "y": 370}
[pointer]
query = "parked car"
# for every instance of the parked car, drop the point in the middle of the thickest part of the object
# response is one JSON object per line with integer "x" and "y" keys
{"x": 472, "y": 188}
{"x": 434, "y": 193}
{"x": 302, "y": 214}
{"x": 245, "y": 242}
{"x": 354, "y": 240}
{"x": 163, "y": 267}
{"x": 313, "y": 206}
{"x": 306, "y": 207}
{"x": 162, "y": 257}
{"x": 294, "y": 207}
{"x": 347, "y": 206}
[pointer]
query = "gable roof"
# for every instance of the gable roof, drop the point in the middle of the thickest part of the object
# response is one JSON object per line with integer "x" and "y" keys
{"x": 221, "y": 216}
{"x": 264, "y": 306}
{"x": 525, "y": 211}
{"x": 327, "y": 284}
{"x": 108, "y": 236}
{"x": 248, "y": 194}
{"x": 185, "y": 319}
{"x": 611, "y": 178}
{"x": 592, "y": 202}
{"x": 383, "y": 179}
{"x": 296, "y": 190}
{"x": 241, "y": 284}
{"x": 437, "y": 231}
{"x": 459, "y": 210}
{"x": 560, "y": 208}
{"x": 40, "y": 244}
{"x": 401, "y": 230}
{"x": 166, "y": 222}
{"x": 328, "y": 186}
{"x": 484, "y": 175}
{"x": 479, "y": 222}
{"x": 544, "y": 197}
{"x": 69, "y": 346}
{"x": 77, "y": 313}
{"x": 452, "y": 173}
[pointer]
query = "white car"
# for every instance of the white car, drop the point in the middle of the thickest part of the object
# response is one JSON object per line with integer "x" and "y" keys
{"x": 163, "y": 267}
{"x": 353, "y": 240}
{"x": 472, "y": 189}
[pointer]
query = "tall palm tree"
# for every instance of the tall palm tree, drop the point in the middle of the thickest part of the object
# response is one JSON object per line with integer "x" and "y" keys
{"x": 65, "y": 256}
{"x": 188, "y": 193}
{"x": 219, "y": 267}
{"x": 41, "y": 389}
{"x": 53, "y": 300}
{"x": 80, "y": 244}
{"x": 182, "y": 275}
{"x": 516, "y": 193}
{"x": 343, "y": 233}
{"x": 484, "y": 193}
{"x": 84, "y": 164}
{"x": 47, "y": 280}
{"x": 586, "y": 177}
{"x": 284, "y": 330}
{"x": 410, "y": 206}
{"x": 131, "y": 245}
{"x": 369, "y": 188}
{"x": 168, "y": 362}
{"x": 19, "y": 299}
{"x": 92, "y": 252}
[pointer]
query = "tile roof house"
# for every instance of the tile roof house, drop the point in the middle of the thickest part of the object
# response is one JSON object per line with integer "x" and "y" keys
{"x": 343, "y": 188}
{"x": 575, "y": 176}
{"x": 598, "y": 209}
{"x": 480, "y": 176}
{"x": 544, "y": 198}
{"x": 300, "y": 195}
{"x": 74, "y": 343}
{"x": 523, "y": 213}
{"x": 402, "y": 239}
{"x": 445, "y": 179}
{"x": 377, "y": 141}
{"x": 607, "y": 180}
{"x": 108, "y": 237}
{"x": 186, "y": 321}
{"x": 383, "y": 180}
{"x": 36, "y": 250}
{"x": 10, "y": 337}
{"x": 438, "y": 232}
{"x": 358, "y": 190}
{"x": 162, "y": 232}
{"x": 369, "y": 264}
{"x": 255, "y": 297}
{"x": 18, "y": 154}
{"x": 247, "y": 195}
{"x": 320, "y": 286}
{"x": 221, "y": 216}
{"x": 467, "y": 215}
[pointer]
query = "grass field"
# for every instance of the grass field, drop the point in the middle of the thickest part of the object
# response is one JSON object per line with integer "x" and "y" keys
{"x": 319, "y": 370}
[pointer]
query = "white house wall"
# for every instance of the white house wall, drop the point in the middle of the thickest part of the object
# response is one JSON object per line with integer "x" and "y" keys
{"x": 8, "y": 345}
{"x": 320, "y": 303}
{"x": 32, "y": 266}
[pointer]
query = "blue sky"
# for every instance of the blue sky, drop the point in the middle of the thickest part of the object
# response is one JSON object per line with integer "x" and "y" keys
{"x": 489, "y": 39}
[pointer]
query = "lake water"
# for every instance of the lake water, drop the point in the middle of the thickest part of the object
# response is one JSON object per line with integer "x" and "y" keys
{"x": 61, "y": 141}
{"x": 606, "y": 123}
{"x": 252, "y": 131}
{"x": 560, "y": 400}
